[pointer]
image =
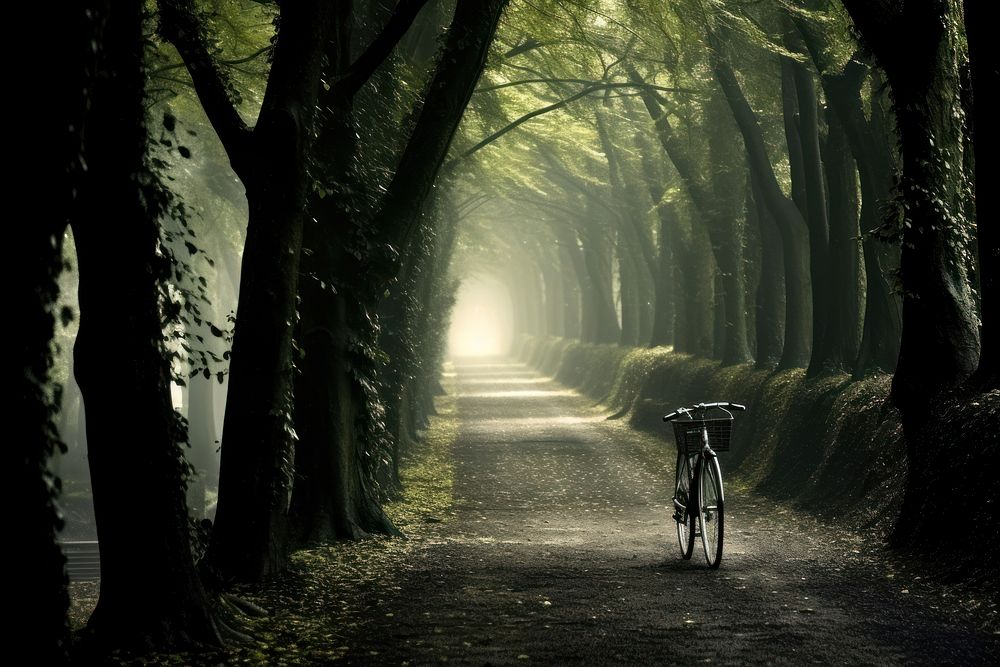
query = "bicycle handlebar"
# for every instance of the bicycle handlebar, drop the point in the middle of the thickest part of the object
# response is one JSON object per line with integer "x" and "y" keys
{"x": 703, "y": 406}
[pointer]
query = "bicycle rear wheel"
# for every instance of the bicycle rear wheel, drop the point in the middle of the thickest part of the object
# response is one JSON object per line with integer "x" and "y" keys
{"x": 712, "y": 515}
{"x": 684, "y": 514}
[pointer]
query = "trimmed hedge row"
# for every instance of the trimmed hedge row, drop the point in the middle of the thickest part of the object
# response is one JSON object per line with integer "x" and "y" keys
{"x": 829, "y": 445}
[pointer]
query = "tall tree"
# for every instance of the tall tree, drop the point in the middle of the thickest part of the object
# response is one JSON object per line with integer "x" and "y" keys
{"x": 335, "y": 496}
{"x": 869, "y": 145}
{"x": 136, "y": 464}
{"x": 940, "y": 339}
{"x": 715, "y": 204}
{"x": 249, "y": 539}
{"x": 985, "y": 80}
{"x": 939, "y": 347}
{"x": 791, "y": 225}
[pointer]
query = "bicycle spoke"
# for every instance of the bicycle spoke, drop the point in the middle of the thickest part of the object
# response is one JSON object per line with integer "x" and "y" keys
{"x": 711, "y": 511}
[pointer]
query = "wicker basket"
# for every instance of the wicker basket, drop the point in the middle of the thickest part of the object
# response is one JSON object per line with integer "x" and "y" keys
{"x": 687, "y": 434}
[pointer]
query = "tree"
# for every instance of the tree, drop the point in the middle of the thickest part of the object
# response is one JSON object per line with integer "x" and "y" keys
{"x": 134, "y": 437}
{"x": 985, "y": 139}
{"x": 939, "y": 348}
{"x": 336, "y": 498}
{"x": 792, "y": 227}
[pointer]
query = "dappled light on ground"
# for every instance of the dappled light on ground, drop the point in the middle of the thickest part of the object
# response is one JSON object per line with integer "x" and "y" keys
{"x": 519, "y": 393}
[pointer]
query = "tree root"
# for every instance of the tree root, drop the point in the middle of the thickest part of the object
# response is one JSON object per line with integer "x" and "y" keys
{"x": 243, "y": 605}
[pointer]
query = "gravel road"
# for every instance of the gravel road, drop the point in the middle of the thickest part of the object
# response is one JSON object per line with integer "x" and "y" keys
{"x": 561, "y": 550}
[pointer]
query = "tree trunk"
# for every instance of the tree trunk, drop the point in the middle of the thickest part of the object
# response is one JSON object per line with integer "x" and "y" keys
{"x": 40, "y": 588}
{"x": 202, "y": 441}
{"x": 663, "y": 325}
{"x": 665, "y": 308}
{"x": 845, "y": 276}
{"x": 133, "y": 435}
{"x": 879, "y": 347}
{"x": 250, "y": 538}
{"x": 793, "y": 134}
{"x": 554, "y": 298}
{"x": 589, "y": 298}
{"x": 985, "y": 83}
{"x": 693, "y": 274}
{"x": 724, "y": 219}
{"x": 571, "y": 294}
{"x": 940, "y": 343}
{"x": 718, "y": 206}
{"x": 794, "y": 234}
{"x": 628, "y": 294}
{"x": 939, "y": 348}
{"x": 332, "y": 498}
{"x": 825, "y": 328}
{"x": 597, "y": 257}
{"x": 770, "y": 290}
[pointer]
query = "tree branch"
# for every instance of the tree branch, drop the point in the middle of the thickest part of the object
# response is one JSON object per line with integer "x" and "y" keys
{"x": 361, "y": 69}
{"x": 180, "y": 26}
{"x": 538, "y": 112}
{"x": 589, "y": 82}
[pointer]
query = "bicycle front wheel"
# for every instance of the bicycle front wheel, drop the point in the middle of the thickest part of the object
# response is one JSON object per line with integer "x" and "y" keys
{"x": 684, "y": 513}
{"x": 712, "y": 515}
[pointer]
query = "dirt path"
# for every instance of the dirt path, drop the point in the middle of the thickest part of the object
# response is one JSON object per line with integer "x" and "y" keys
{"x": 561, "y": 550}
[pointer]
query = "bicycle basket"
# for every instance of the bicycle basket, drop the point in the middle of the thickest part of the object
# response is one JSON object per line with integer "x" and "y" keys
{"x": 687, "y": 434}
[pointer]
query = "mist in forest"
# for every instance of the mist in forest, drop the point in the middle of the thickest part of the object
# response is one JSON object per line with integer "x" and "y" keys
{"x": 482, "y": 320}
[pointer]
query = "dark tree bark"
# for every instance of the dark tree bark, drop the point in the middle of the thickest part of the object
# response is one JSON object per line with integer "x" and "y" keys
{"x": 825, "y": 356}
{"x": 597, "y": 259}
{"x": 39, "y": 622}
{"x": 663, "y": 324}
{"x": 250, "y": 537}
{"x": 133, "y": 435}
{"x": 770, "y": 293}
{"x": 337, "y": 500}
{"x": 793, "y": 134}
{"x": 693, "y": 274}
{"x": 843, "y": 250}
{"x": 725, "y": 229}
{"x": 940, "y": 341}
{"x": 986, "y": 140}
{"x": 879, "y": 346}
{"x": 467, "y": 45}
{"x": 939, "y": 348}
{"x": 794, "y": 233}
{"x": 714, "y": 202}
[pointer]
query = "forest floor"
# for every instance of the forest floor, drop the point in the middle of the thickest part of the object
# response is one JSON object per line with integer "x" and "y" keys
{"x": 538, "y": 531}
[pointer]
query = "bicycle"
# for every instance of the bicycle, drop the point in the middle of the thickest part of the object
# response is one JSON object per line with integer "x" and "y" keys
{"x": 698, "y": 481}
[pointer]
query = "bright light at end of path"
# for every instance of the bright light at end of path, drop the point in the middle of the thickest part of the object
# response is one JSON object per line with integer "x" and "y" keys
{"x": 482, "y": 320}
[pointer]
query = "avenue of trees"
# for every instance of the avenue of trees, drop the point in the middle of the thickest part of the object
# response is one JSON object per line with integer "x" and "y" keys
{"x": 266, "y": 207}
{"x": 788, "y": 184}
